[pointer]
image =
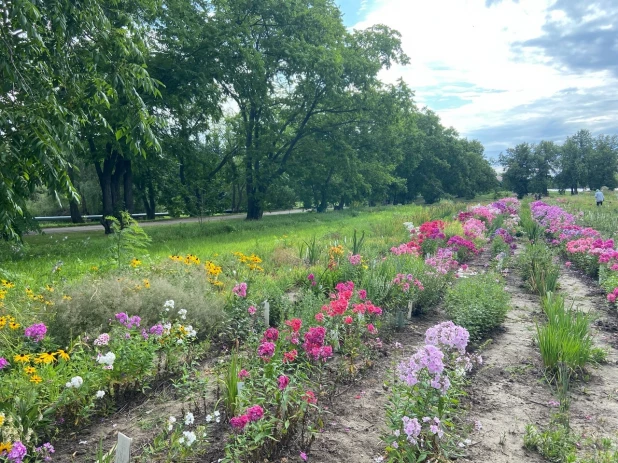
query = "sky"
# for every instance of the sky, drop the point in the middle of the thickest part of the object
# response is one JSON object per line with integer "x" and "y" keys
{"x": 506, "y": 71}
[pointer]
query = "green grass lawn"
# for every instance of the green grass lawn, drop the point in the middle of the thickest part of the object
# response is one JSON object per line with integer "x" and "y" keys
{"x": 80, "y": 251}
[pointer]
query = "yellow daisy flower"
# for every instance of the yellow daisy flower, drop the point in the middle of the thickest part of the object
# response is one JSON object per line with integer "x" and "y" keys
{"x": 2, "y": 322}
{"x": 30, "y": 370}
{"x": 14, "y": 325}
{"x": 36, "y": 379}
{"x": 63, "y": 355}
{"x": 66, "y": 297}
{"x": 22, "y": 358}
{"x": 5, "y": 447}
{"x": 49, "y": 288}
{"x": 135, "y": 262}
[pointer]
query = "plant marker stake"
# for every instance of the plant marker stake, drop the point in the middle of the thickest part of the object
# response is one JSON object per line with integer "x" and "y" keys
{"x": 239, "y": 386}
{"x": 266, "y": 313}
{"x": 123, "y": 449}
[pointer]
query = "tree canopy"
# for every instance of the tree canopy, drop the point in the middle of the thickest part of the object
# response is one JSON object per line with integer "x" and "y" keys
{"x": 199, "y": 106}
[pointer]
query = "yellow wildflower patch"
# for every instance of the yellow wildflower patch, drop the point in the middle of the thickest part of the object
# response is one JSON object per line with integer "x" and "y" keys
{"x": 146, "y": 283}
{"x": 35, "y": 379}
{"x": 135, "y": 262}
{"x": 2, "y": 322}
{"x": 24, "y": 358}
{"x": 63, "y": 355}
{"x": 3, "y": 293}
{"x": 7, "y": 284}
{"x": 49, "y": 288}
{"x": 30, "y": 370}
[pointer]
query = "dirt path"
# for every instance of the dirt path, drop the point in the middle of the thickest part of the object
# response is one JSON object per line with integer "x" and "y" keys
{"x": 510, "y": 391}
{"x": 156, "y": 223}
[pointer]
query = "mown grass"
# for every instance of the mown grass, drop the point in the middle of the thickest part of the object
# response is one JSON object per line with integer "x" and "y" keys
{"x": 603, "y": 218}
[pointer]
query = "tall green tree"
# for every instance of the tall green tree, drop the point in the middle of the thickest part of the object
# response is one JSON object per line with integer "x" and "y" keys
{"x": 286, "y": 66}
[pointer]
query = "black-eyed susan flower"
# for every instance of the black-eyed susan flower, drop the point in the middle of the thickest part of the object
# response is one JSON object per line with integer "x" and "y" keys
{"x": 14, "y": 325}
{"x": 66, "y": 297}
{"x": 24, "y": 358}
{"x": 49, "y": 288}
{"x": 63, "y": 355}
{"x": 36, "y": 379}
{"x": 2, "y": 322}
{"x": 5, "y": 447}
{"x": 46, "y": 358}
{"x": 146, "y": 283}
{"x": 30, "y": 370}
{"x": 135, "y": 262}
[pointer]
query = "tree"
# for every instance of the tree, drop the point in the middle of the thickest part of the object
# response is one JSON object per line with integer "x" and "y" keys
{"x": 286, "y": 66}
{"x": 602, "y": 163}
{"x": 54, "y": 87}
{"x": 528, "y": 167}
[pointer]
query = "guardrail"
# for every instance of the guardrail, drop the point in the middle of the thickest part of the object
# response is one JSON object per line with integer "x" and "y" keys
{"x": 68, "y": 217}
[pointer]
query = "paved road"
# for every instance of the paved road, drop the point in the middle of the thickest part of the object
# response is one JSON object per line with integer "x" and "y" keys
{"x": 97, "y": 227}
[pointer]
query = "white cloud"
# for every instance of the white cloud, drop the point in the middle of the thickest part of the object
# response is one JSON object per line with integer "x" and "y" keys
{"x": 464, "y": 41}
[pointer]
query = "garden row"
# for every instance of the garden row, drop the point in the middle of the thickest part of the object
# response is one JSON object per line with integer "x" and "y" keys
{"x": 69, "y": 353}
{"x": 564, "y": 336}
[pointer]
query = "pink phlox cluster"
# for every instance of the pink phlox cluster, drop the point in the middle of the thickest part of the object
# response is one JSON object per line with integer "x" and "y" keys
{"x": 240, "y": 289}
{"x": 355, "y": 259}
{"x": 611, "y": 297}
{"x": 271, "y": 334}
{"x": 486, "y": 213}
{"x": 448, "y": 335}
{"x": 474, "y": 228}
{"x": 508, "y": 205}
{"x": 443, "y": 261}
{"x": 434, "y": 425}
{"x": 405, "y": 281}
{"x": 411, "y": 248}
{"x": 36, "y": 332}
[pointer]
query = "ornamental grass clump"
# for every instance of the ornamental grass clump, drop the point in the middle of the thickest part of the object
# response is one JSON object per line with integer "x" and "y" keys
{"x": 479, "y": 304}
{"x": 565, "y": 338}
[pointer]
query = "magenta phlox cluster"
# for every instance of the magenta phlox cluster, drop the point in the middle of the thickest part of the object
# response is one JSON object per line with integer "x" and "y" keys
{"x": 127, "y": 321}
{"x": 448, "y": 335}
{"x": 314, "y": 344}
{"x": 506, "y": 236}
{"x": 240, "y": 289}
{"x": 457, "y": 242}
{"x": 355, "y": 259}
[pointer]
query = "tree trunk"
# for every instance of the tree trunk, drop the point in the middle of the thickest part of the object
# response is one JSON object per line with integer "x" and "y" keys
{"x": 339, "y": 207}
{"x": 151, "y": 201}
{"x": 116, "y": 179}
{"x": 76, "y": 216}
{"x": 323, "y": 203}
{"x": 105, "y": 181}
{"x": 254, "y": 206}
{"x": 128, "y": 187}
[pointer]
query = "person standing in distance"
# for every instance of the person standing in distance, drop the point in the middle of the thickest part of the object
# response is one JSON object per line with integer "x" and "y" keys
{"x": 599, "y": 197}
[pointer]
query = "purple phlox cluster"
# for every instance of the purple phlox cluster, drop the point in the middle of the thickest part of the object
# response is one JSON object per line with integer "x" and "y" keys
{"x": 412, "y": 429}
{"x": 506, "y": 236}
{"x": 552, "y": 218}
{"x": 102, "y": 340}
{"x": 156, "y": 330}
{"x": 3, "y": 363}
{"x": 474, "y": 228}
{"x": 36, "y": 332}
{"x": 17, "y": 453}
{"x": 428, "y": 358}
{"x": 45, "y": 451}
{"x": 443, "y": 261}
{"x": 240, "y": 289}
{"x": 127, "y": 321}
{"x": 448, "y": 335}
{"x": 508, "y": 205}
{"x": 434, "y": 425}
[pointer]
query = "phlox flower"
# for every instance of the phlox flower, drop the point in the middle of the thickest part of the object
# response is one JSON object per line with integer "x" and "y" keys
{"x": 252, "y": 310}
{"x": 240, "y": 289}
{"x": 36, "y": 332}
{"x": 189, "y": 438}
{"x": 295, "y": 324}
{"x": 243, "y": 374}
{"x": 266, "y": 350}
{"x": 100, "y": 394}
{"x": 362, "y": 294}
{"x": 355, "y": 259}
{"x": 348, "y": 320}
{"x": 411, "y": 428}
{"x": 189, "y": 419}
{"x": 170, "y": 423}
{"x": 310, "y": 397}
{"x": 255, "y": 413}
{"x": 372, "y": 329}
{"x": 271, "y": 334}
{"x": 17, "y": 453}
{"x": 290, "y": 356}
{"x": 319, "y": 317}
{"x": 283, "y": 382}
{"x": 449, "y": 335}
{"x": 3, "y": 363}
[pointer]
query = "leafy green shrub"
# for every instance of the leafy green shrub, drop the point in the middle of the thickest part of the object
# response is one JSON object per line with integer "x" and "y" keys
{"x": 531, "y": 228}
{"x": 94, "y": 301}
{"x": 479, "y": 304}
{"x": 498, "y": 245}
